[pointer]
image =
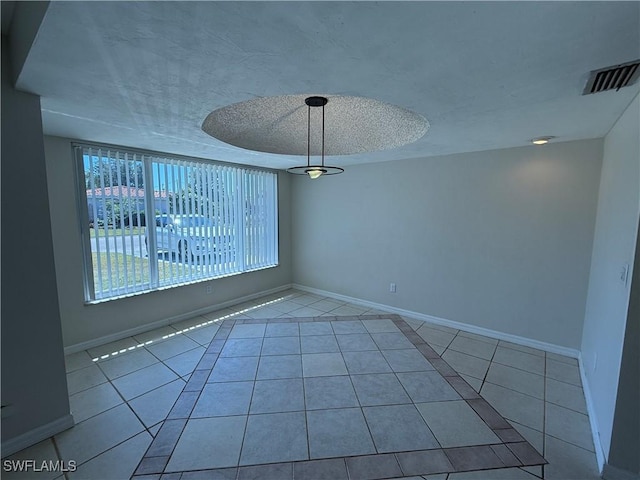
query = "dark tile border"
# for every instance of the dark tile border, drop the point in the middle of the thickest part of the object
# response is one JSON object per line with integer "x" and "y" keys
{"x": 515, "y": 451}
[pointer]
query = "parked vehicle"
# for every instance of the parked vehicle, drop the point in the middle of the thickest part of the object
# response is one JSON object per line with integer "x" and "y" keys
{"x": 192, "y": 237}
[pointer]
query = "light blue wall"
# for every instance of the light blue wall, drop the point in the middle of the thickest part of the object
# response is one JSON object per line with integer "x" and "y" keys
{"x": 34, "y": 387}
{"x": 613, "y": 247}
{"x": 497, "y": 239}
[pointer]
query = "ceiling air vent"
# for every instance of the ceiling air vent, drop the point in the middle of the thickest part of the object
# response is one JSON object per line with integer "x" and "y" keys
{"x": 614, "y": 77}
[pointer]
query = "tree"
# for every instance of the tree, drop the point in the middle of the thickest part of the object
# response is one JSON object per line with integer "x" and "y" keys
{"x": 111, "y": 172}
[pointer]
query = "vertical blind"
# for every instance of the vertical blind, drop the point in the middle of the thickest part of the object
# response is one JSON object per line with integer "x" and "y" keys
{"x": 150, "y": 222}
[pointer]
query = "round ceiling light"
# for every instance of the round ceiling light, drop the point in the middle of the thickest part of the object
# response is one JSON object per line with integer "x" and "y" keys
{"x": 280, "y": 125}
{"x": 541, "y": 140}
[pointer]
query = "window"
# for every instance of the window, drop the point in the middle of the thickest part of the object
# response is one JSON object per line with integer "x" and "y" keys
{"x": 150, "y": 222}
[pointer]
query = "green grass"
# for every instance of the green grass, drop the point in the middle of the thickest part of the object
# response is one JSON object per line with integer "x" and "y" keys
{"x": 137, "y": 271}
{"x": 115, "y": 232}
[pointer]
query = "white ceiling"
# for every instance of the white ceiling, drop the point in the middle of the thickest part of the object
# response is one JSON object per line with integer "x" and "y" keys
{"x": 485, "y": 75}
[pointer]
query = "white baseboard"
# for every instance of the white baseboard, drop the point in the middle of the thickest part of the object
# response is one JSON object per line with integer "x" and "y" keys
{"x": 78, "y": 347}
{"x": 527, "y": 342}
{"x": 593, "y": 420}
{"x": 36, "y": 435}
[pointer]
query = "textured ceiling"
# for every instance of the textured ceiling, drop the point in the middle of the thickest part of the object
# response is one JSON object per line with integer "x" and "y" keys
{"x": 286, "y": 125}
{"x": 485, "y": 75}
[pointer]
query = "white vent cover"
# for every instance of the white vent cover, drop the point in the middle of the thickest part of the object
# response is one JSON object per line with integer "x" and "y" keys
{"x": 614, "y": 77}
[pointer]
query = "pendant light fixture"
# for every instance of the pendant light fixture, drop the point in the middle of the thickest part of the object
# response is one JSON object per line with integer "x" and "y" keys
{"x": 315, "y": 171}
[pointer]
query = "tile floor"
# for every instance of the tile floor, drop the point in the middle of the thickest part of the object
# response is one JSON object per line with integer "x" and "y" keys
{"x": 145, "y": 401}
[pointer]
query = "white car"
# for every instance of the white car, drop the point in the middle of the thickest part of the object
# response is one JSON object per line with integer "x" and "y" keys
{"x": 192, "y": 237}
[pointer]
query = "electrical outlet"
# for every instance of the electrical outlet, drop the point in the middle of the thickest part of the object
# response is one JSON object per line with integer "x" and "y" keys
{"x": 208, "y": 289}
{"x": 392, "y": 287}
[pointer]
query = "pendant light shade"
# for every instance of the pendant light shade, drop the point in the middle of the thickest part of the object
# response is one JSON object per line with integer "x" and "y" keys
{"x": 315, "y": 171}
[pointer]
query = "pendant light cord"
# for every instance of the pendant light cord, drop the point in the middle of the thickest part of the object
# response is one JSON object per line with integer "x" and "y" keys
{"x": 308, "y": 135}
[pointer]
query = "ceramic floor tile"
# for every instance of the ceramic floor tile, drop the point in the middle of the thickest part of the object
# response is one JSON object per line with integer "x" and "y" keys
{"x": 285, "y": 306}
{"x": 518, "y": 380}
{"x": 456, "y": 424}
{"x": 330, "y": 469}
{"x": 379, "y": 389}
{"x": 280, "y": 366}
{"x": 512, "y": 405}
{"x": 466, "y": 364}
{"x": 281, "y": 346}
{"x": 277, "y": 405}
{"x": 172, "y": 347}
{"x": 568, "y": 425}
{"x": 263, "y": 313}
{"x": 277, "y": 396}
{"x": 223, "y": 399}
{"x": 327, "y": 305}
{"x": 522, "y": 348}
{"x": 566, "y": 395}
{"x": 366, "y": 362}
{"x": 329, "y": 392}
{"x": 563, "y": 372}
{"x": 475, "y": 383}
{"x": 95, "y": 400}
{"x": 323, "y": 364}
{"x": 435, "y": 336}
{"x": 425, "y": 461}
{"x": 144, "y": 380}
{"x": 562, "y": 359}
{"x": 568, "y": 462}
{"x": 414, "y": 322}
{"x": 157, "y": 335}
{"x": 119, "y": 462}
{"x": 474, "y": 347}
{"x": 373, "y": 467}
{"x": 410, "y": 360}
{"x": 248, "y": 331}
{"x": 534, "y": 437}
{"x": 437, "y": 348}
{"x": 234, "y": 369}
{"x": 128, "y": 362}
{"x": 391, "y": 341}
{"x": 316, "y": 328}
{"x": 43, "y": 451}
{"x": 306, "y": 299}
{"x": 186, "y": 362}
{"x": 97, "y": 434}
{"x": 242, "y": 347}
{"x": 496, "y": 474}
{"x": 356, "y": 342}
{"x": 383, "y": 325}
{"x": 442, "y": 328}
{"x": 202, "y": 335}
{"x": 275, "y": 437}
{"x": 427, "y": 387}
{"x": 347, "y": 310}
{"x": 338, "y": 433}
{"x": 282, "y": 329}
{"x": 319, "y": 344}
{"x": 85, "y": 378}
{"x": 119, "y": 346}
{"x": 520, "y": 360}
{"x": 154, "y": 406}
{"x": 76, "y": 361}
{"x": 397, "y": 428}
{"x": 307, "y": 312}
{"x": 199, "y": 449}
{"x": 475, "y": 336}
{"x": 348, "y": 326}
